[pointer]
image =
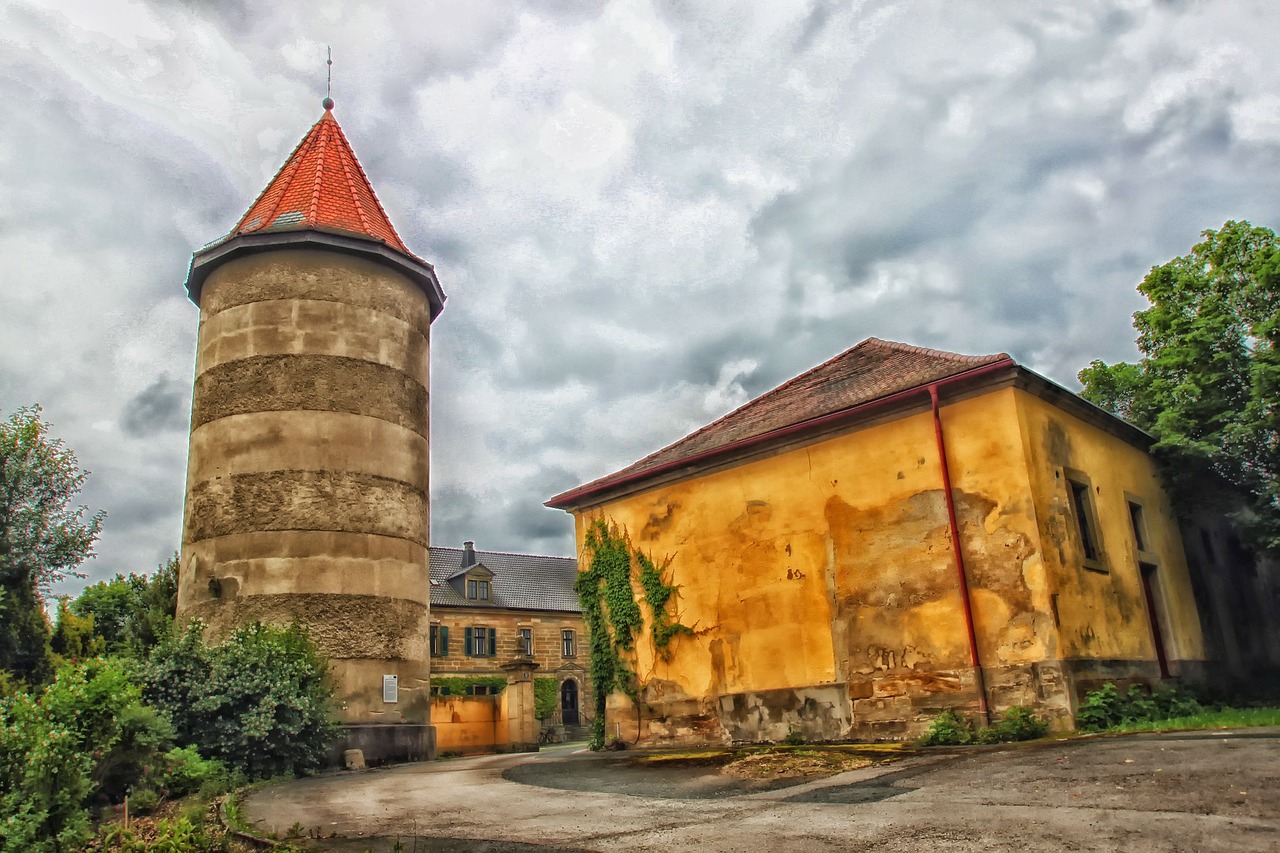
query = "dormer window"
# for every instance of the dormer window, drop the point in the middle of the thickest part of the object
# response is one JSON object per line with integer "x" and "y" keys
{"x": 477, "y": 590}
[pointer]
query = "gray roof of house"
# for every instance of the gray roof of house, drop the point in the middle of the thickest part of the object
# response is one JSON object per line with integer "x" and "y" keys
{"x": 520, "y": 581}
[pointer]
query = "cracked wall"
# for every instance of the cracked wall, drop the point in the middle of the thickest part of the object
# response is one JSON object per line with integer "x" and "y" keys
{"x": 821, "y": 583}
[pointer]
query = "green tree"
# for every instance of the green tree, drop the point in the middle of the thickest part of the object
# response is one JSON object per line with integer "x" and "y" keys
{"x": 42, "y": 536}
{"x": 1208, "y": 383}
{"x": 131, "y": 614}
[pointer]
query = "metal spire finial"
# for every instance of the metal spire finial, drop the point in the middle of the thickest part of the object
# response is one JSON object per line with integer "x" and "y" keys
{"x": 327, "y": 103}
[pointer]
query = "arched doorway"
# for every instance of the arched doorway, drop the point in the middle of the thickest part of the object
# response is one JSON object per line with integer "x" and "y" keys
{"x": 569, "y": 702}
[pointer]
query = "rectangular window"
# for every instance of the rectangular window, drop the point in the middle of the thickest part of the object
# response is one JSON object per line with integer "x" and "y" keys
{"x": 481, "y": 642}
{"x": 1082, "y": 505}
{"x": 472, "y": 590}
{"x": 526, "y": 642}
{"x": 484, "y": 590}
{"x": 439, "y": 641}
{"x": 1139, "y": 522}
{"x": 568, "y": 646}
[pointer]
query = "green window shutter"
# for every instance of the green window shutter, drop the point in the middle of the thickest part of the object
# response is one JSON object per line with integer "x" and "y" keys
{"x": 444, "y": 640}
{"x": 493, "y": 642}
{"x": 467, "y": 641}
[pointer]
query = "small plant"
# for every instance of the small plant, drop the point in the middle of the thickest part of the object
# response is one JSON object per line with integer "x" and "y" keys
{"x": 794, "y": 737}
{"x": 948, "y": 729}
{"x": 1017, "y": 723}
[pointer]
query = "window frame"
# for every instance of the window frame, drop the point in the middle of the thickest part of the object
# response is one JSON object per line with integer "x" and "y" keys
{"x": 439, "y": 641}
{"x": 568, "y": 643}
{"x": 524, "y": 637}
{"x": 1081, "y": 494}
{"x": 483, "y": 638}
{"x": 479, "y": 589}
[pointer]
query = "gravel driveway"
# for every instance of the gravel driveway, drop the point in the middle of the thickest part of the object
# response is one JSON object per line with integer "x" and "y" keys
{"x": 1194, "y": 791}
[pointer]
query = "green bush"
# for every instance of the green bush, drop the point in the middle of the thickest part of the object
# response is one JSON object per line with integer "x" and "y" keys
{"x": 259, "y": 701}
{"x": 1107, "y": 707}
{"x": 1017, "y": 723}
{"x": 546, "y": 697}
{"x": 186, "y": 772}
{"x": 948, "y": 729}
{"x": 86, "y": 732}
{"x": 173, "y": 835}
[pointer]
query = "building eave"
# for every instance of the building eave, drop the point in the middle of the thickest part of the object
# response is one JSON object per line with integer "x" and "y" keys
{"x": 208, "y": 259}
{"x": 980, "y": 380}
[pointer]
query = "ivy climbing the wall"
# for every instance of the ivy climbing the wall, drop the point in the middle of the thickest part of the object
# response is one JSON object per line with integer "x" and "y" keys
{"x": 484, "y": 685}
{"x": 613, "y": 616}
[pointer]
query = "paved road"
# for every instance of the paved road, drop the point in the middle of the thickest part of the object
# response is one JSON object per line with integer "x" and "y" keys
{"x": 1192, "y": 792}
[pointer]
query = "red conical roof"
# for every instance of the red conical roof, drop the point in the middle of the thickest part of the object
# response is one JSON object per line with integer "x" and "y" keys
{"x": 321, "y": 186}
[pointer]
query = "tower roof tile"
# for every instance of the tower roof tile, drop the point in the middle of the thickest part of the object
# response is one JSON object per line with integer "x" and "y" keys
{"x": 322, "y": 187}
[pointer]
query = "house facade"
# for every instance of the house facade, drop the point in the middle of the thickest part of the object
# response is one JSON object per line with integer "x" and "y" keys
{"x": 489, "y": 609}
{"x": 896, "y": 532}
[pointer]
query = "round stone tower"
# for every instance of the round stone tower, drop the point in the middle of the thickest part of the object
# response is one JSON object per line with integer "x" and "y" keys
{"x": 307, "y": 492}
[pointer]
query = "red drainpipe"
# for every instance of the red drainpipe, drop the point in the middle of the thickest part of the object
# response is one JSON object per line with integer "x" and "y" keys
{"x": 959, "y": 559}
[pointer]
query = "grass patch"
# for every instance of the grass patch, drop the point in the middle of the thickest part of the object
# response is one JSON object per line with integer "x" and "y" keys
{"x": 1224, "y": 718}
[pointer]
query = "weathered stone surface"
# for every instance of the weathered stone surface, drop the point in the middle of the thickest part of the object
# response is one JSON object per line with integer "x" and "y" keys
{"x": 313, "y": 327}
{"x": 316, "y": 275}
{"x": 343, "y": 626}
{"x": 328, "y": 562}
{"x": 320, "y": 383}
{"x": 307, "y": 488}
{"x": 293, "y": 440}
{"x": 306, "y": 500}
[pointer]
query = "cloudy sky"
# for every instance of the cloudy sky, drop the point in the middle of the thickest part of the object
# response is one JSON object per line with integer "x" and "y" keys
{"x": 642, "y": 216}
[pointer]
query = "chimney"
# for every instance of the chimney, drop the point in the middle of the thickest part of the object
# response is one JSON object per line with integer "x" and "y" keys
{"x": 468, "y": 553}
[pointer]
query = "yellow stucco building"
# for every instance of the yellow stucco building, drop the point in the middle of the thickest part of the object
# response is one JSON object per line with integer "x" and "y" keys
{"x": 898, "y": 531}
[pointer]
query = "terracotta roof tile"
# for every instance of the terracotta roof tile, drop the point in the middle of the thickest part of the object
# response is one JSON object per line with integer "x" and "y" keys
{"x": 872, "y": 370}
{"x": 321, "y": 186}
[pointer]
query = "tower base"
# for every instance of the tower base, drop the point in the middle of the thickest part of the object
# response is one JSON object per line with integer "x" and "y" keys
{"x": 386, "y": 743}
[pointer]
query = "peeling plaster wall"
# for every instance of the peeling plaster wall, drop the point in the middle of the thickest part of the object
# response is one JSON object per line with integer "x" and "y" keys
{"x": 821, "y": 583}
{"x": 1105, "y": 625}
{"x": 307, "y": 483}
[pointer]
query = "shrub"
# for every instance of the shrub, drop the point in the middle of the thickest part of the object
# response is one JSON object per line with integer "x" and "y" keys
{"x": 87, "y": 731}
{"x": 546, "y": 696}
{"x": 185, "y": 772}
{"x": 259, "y": 701}
{"x": 1017, "y": 723}
{"x": 948, "y": 729}
{"x": 1107, "y": 707}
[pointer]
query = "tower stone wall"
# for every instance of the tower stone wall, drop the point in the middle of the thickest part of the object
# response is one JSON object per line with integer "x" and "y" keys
{"x": 307, "y": 482}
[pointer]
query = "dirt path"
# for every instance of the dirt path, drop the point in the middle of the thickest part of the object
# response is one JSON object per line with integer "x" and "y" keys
{"x": 1196, "y": 791}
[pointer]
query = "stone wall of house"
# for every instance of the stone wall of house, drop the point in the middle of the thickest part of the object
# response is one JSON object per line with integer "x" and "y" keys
{"x": 548, "y": 650}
